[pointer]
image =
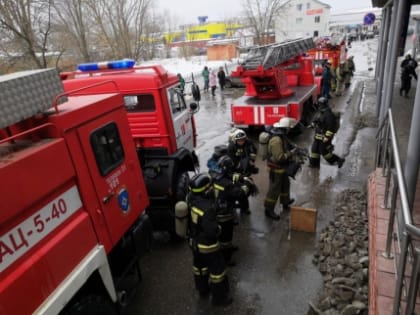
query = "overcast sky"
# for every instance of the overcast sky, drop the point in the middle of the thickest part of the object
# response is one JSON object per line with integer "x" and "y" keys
{"x": 187, "y": 11}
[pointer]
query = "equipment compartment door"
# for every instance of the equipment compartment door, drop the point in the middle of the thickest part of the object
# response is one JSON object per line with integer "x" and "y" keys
{"x": 115, "y": 171}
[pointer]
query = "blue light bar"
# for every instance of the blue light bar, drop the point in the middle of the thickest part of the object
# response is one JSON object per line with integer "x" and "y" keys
{"x": 116, "y": 64}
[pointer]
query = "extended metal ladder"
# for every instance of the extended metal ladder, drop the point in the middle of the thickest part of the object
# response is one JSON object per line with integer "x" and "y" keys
{"x": 271, "y": 55}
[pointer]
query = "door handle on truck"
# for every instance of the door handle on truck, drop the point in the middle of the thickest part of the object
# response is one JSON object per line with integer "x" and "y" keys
{"x": 108, "y": 198}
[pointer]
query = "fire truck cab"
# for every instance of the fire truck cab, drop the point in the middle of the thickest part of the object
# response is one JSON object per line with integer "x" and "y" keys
{"x": 73, "y": 198}
{"x": 162, "y": 126}
{"x": 279, "y": 82}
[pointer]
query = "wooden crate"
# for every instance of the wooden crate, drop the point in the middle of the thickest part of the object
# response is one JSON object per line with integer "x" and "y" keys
{"x": 303, "y": 219}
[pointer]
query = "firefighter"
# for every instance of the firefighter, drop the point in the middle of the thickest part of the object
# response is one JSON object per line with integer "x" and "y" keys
{"x": 339, "y": 76}
{"x": 209, "y": 266}
{"x": 326, "y": 125}
{"x": 326, "y": 79}
{"x": 349, "y": 69}
{"x": 243, "y": 153}
{"x": 279, "y": 152}
{"x": 333, "y": 81}
{"x": 227, "y": 192}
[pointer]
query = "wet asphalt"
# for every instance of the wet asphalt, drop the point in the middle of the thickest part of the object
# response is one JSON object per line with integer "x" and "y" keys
{"x": 274, "y": 274}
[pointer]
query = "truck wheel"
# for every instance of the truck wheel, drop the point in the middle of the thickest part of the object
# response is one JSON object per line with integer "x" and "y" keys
{"x": 92, "y": 305}
{"x": 195, "y": 90}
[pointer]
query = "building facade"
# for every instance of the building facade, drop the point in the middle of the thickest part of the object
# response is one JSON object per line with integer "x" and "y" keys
{"x": 302, "y": 18}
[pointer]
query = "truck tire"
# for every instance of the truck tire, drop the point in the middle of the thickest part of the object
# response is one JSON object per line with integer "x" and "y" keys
{"x": 195, "y": 91}
{"x": 92, "y": 305}
{"x": 228, "y": 84}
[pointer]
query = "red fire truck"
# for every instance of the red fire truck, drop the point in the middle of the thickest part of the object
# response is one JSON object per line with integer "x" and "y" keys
{"x": 279, "y": 82}
{"x": 161, "y": 125}
{"x": 332, "y": 49}
{"x": 73, "y": 219}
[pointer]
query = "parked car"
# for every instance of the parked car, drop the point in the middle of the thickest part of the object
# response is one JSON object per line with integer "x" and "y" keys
{"x": 370, "y": 34}
{"x": 232, "y": 82}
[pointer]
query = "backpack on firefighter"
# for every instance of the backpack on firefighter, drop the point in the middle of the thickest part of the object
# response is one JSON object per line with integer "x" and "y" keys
{"x": 184, "y": 225}
{"x": 212, "y": 162}
{"x": 296, "y": 161}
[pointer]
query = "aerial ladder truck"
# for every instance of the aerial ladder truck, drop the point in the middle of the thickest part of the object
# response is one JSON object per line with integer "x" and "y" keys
{"x": 279, "y": 82}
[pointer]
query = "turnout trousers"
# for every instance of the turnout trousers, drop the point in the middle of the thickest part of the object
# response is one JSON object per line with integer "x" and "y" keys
{"x": 321, "y": 148}
{"x": 210, "y": 274}
{"x": 279, "y": 188}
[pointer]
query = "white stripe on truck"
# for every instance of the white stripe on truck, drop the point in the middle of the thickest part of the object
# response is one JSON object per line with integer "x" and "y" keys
{"x": 20, "y": 239}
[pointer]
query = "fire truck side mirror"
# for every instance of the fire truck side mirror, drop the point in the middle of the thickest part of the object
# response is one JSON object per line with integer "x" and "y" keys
{"x": 193, "y": 107}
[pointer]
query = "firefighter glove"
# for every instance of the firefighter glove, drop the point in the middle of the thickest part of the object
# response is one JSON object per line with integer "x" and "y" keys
{"x": 236, "y": 177}
{"x": 245, "y": 189}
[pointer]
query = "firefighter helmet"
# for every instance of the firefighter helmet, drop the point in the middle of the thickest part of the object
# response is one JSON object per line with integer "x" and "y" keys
{"x": 283, "y": 125}
{"x": 200, "y": 183}
{"x": 322, "y": 103}
{"x": 226, "y": 164}
{"x": 239, "y": 134}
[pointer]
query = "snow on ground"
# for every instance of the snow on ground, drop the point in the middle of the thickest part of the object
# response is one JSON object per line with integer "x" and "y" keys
{"x": 193, "y": 66}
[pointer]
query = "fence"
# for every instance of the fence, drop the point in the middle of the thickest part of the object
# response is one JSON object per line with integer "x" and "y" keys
{"x": 402, "y": 234}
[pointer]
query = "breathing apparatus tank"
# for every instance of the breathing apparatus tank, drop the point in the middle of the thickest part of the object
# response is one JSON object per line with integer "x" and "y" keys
{"x": 181, "y": 218}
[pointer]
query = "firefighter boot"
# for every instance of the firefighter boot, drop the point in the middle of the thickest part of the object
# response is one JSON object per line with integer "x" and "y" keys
{"x": 314, "y": 163}
{"x": 286, "y": 206}
{"x": 271, "y": 214}
{"x": 340, "y": 162}
{"x": 220, "y": 292}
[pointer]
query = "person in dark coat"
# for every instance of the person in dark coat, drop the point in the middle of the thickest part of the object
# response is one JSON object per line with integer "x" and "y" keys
{"x": 325, "y": 124}
{"x": 326, "y": 80}
{"x": 408, "y": 70}
{"x": 209, "y": 265}
{"x": 409, "y": 60}
{"x": 221, "y": 75}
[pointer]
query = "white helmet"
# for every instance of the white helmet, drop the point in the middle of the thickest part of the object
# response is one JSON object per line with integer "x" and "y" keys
{"x": 285, "y": 122}
{"x": 238, "y": 134}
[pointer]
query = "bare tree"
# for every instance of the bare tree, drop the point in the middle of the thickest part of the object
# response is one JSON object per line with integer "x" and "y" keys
{"x": 75, "y": 27}
{"x": 260, "y": 16}
{"x": 120, "y": 25}
{"x": 26, "y": 28}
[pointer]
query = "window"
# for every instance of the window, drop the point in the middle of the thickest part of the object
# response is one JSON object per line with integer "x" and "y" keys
{"x": 106, "y": 145}
{"x": 316, "y": 34}
{"x": 176, "y": 100}
{"x": 299, "y": 7}
{"x": 308, "y": 5}
{"x": 139, "y": 103}
{"x": 299, "y": 20}
{"x": 317, "y": 19}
